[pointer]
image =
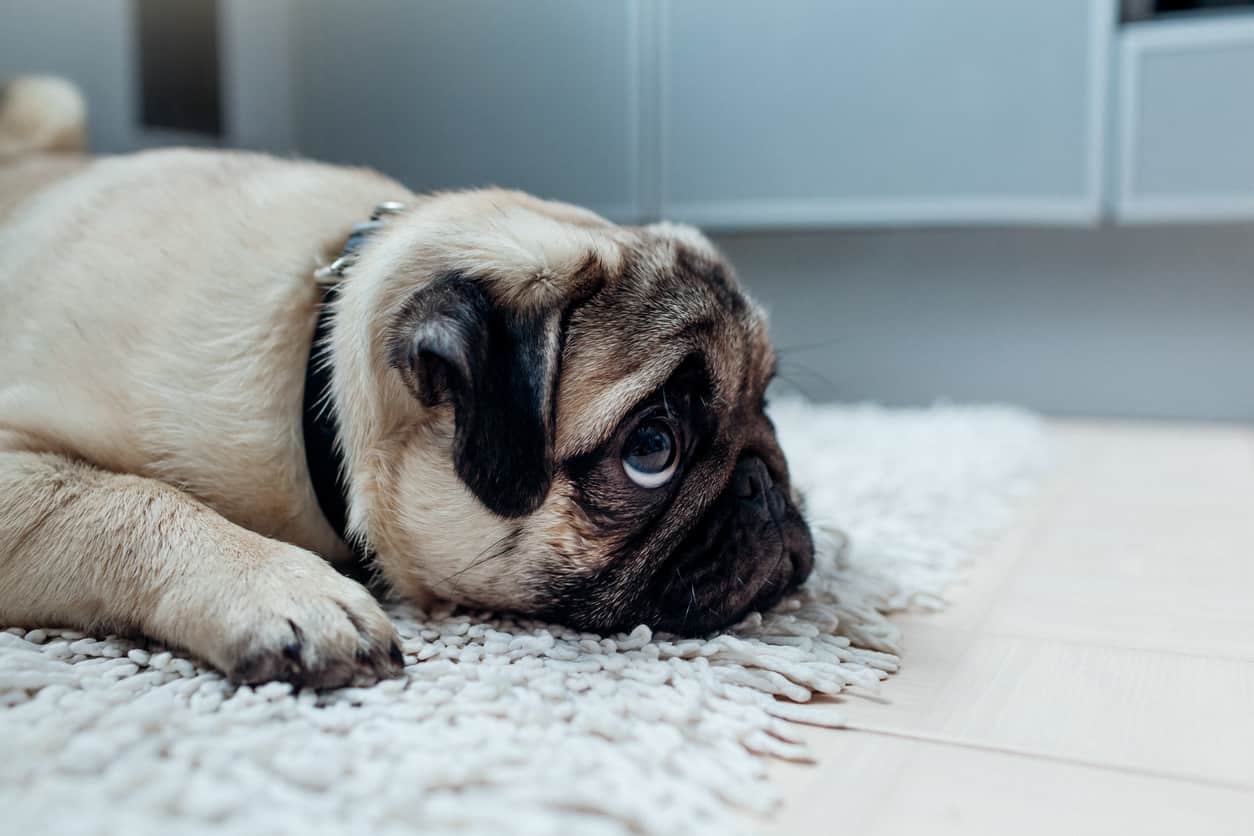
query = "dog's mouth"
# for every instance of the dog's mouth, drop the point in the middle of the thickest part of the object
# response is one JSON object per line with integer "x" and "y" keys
{"x": 749, "y": 551}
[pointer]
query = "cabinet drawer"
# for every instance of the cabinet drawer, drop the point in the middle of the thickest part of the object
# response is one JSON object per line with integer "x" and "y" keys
{"x": 1186, "y": 120}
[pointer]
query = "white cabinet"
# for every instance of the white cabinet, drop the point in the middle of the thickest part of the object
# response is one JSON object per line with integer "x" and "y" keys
{"x": 865, "y": 112}
{"x": 1185, "y": 149}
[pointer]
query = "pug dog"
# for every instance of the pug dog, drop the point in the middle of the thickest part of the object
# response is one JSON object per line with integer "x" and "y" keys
{"x": 217, "y": 387}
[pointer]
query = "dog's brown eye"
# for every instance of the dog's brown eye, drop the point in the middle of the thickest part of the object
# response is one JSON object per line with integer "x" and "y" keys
{"x": 651, "y": 455}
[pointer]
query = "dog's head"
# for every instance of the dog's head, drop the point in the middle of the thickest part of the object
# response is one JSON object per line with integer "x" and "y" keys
{"x": 543, "y": 412}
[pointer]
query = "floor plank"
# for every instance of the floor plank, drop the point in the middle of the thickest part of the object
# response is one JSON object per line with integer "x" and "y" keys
{"x": 1095, "y": 672}
{"x": 872, "y": 784}
{"x": 1161, "y": 713}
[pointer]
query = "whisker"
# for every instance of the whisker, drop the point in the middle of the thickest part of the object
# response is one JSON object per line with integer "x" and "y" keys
{"x": 792, "y": 384}
{"x": 810, "y": 346}
{"x": 492, "y": 554}
{"x": 798, "y": 367}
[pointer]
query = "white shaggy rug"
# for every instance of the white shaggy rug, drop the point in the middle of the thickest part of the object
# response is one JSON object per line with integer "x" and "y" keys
{"x": 505, "y": 726}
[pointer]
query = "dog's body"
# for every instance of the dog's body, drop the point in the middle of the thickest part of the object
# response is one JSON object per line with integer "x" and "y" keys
{"x": 155, "y": 329}
{"x": 157, "y": 318}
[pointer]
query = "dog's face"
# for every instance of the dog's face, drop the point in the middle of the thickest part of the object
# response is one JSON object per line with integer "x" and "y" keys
{"x": 547, "y": 413}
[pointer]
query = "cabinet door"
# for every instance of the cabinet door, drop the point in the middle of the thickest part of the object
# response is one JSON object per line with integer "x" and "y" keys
{"x": 540, "y": 96}
{"x": 1186, "y": 120}
{"x": 866, "y": 112}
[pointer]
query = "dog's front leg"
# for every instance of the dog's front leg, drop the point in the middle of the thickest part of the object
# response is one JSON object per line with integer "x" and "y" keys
{"x": 85, "y": 548}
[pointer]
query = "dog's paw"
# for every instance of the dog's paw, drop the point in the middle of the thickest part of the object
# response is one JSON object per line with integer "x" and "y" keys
{"x": 301, "y": 622}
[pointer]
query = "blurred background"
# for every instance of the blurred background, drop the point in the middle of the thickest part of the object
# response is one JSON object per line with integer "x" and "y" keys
{"x": 1049, "y": 203}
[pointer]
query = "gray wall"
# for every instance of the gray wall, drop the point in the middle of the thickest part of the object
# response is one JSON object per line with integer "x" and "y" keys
{"x": 1146, "y": 322}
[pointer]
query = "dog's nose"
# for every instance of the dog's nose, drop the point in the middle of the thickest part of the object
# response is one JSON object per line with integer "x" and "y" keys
{"x": 751, "y": 480}
{"x": 754, "y": 487}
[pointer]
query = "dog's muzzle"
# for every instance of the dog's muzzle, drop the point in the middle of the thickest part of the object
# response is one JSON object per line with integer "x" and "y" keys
{"x": 750, "y": 549}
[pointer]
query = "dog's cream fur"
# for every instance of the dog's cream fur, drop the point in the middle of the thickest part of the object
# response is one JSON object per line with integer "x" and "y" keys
{"x": 156, "y": 313}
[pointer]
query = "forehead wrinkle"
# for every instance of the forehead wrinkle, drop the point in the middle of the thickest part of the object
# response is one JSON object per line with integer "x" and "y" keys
{"x": 746, "y": 365}
{"x": 696, "y": 316}
{"x": 598, "y": 417}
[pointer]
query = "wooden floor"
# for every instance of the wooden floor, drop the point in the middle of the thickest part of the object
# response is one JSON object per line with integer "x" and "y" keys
{"x": 1095, "y": 673}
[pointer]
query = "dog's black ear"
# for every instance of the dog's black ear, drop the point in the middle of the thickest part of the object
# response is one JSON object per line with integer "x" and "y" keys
{"x": 497, "y": 368}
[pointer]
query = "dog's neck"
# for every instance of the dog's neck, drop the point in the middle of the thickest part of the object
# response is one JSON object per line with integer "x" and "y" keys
{"x": 321, "y": 425}
{"x": 320, "y": 420}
